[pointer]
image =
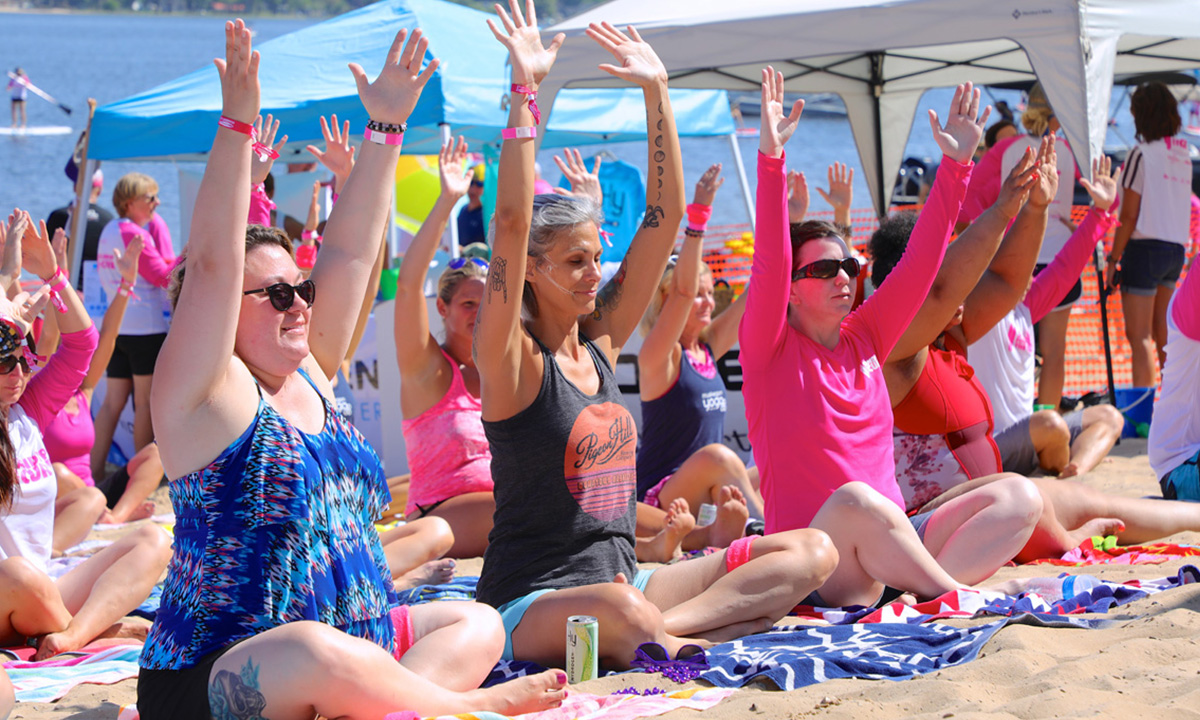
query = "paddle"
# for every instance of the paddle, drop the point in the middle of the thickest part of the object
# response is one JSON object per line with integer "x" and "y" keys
{"x": 39, "y": 92}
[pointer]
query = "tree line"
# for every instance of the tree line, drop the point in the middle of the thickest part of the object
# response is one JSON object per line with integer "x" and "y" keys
{"x": 547, "y": 9}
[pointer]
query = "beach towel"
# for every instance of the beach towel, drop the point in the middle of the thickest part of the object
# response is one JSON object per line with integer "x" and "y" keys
{"x": 1152, "y": 554}
{"x": 48, "y": 680}
{"x": 577, "y": 706}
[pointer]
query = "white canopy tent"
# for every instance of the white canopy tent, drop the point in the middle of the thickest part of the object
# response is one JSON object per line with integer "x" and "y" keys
{"x": 881, "y": 55}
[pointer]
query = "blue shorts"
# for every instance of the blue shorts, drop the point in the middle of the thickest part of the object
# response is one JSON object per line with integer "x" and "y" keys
{"x": 1148, "y": 265}
{"x": 1183, "y": 483}
{"x": 513, "y": 611}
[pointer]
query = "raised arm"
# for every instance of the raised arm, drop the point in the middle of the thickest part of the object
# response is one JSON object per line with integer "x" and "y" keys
{"x": 1052, "y": 284}
{"x": 352, "y": 235}
{"x": 260, "y": 167}
{"x": 840, "y": 194}
{"x": 195, "y": 358}
{"x": 966, "y": 260}
{"x": 797, "y": 196}
{"x": 582, "y": 181}
{"x": 765, "y": 318}
{"x": 620, "y": 303}
{"x": 658, "y": 359}
{"x": 110, "y": 326}
{"x": 10, "y": 252}
{"x": 338, "y": 156}
{"x": 499, "y": 341}
{"x": 1131, "y": 207}
{"x": 416, "y": 349}
{"x": 887, "y": 313}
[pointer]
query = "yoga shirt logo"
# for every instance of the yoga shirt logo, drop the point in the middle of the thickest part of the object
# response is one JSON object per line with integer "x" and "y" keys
{"x": 599, "y": 465}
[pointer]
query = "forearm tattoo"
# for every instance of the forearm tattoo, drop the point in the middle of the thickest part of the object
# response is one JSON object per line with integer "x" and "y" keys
{"x": 610, "y": 294}
{"x": 236, "y": 696}
{"x": 654, "y": 210}
{"x": 498, "y": 279}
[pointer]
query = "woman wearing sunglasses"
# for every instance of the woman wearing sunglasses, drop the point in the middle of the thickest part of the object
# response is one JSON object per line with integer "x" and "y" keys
{"x": 278, "y": 598}
{"x": 563, "y": 444}
{"x": 144, "y": 327}
{"x": 447, "y": 452}
{"x": 90, "y": 599}
{"x": 816, "y": 400}
{"x": 683, "y": 397}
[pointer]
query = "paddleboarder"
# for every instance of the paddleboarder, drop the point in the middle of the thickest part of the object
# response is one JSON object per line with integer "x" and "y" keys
{"x": 18, "y": 87}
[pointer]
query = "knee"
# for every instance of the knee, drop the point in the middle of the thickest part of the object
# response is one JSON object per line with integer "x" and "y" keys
{"x": 439, "y": 534}
{"x": 91, "y": 499}
{"x": 1105, "y": 415}
{"x": 860, "y": 498}
{"x": 1020, "y": 497}
{"x": 20, "y": 576}
{"x": 481, "y": 623}
{"x": 634, "y": 619}
{"x": 155, "y": 542}
{"x": 721, "y": 458}
{"x": 1049, "y": 427}
{"x": 810, "y": 550}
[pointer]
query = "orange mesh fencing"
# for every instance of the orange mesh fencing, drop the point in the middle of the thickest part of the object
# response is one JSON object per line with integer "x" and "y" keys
{"x": 1085, "y": 367}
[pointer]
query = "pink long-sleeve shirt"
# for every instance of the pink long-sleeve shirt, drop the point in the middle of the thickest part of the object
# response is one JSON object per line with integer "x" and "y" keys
{"x": 820, "y": 418}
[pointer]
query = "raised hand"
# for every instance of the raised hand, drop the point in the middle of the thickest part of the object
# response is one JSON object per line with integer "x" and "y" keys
{"x": 841, "y": 187}
{"x": 1019, "y": 183}
{"x": 314, "y": 214}
{"x": 24, "y": 308}
{"x": 530, "y": 60}
{"x": 127, "y": 262}
{"x": 637, "y": 61}
{"x": 452, "y": 169}
{"x": 394, "y": 94}
{"x": 10, "y": 245}
{"x": 707, "y": 185}
{"x": 583, "y": 183}
{"x": 240, "y": 90}
{"x": 338, "y": 156}
{"x": 1046, "y": 187}
{"x": 265, "y": 132}
{"x": 797, "y": 196}
{"x": 36, "y": 254}
{"x": 777, "y": 128}
{"x": 1103, "y": 185}
{"x": 59, "y": 244}
{"x": 960, "y": 135}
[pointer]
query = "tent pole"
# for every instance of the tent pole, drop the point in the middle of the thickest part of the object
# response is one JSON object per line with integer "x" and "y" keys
{"x": 453, "y": 224}
{"x": 876, "y": 91}
{"x": 747, "y": 198}
{"x": 83, "y": 185}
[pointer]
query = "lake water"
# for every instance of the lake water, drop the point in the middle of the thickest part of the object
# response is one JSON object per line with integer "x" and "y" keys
{"x": 110, "y": 57}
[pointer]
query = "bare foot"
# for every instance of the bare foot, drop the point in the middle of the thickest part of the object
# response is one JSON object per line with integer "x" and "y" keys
{"x": 434, "y": 572}
{"x": 1102, "y": 527}
{"x": 57, "y": 643}
{"x": 524, "y": 695}
{"x": 1071, "y": 470}
{"x": 664, "y": 547}
{"x": 732, "y": 514}
{"x": 141, "y": 512}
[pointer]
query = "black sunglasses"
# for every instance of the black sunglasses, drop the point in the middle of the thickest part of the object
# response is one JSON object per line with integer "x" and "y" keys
{"x": 283, "y": 295}
{"x": 825, "y": 269}
{"x": 10, "y": 362}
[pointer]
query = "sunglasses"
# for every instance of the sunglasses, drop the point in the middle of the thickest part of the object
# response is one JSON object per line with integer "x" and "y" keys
{"x": 152, "y": 197}
{"x": 10, "y": 362}
{"x": 458, "y": 262}
{"x": 283, "y": 295}
{"x": 825, "y": 269}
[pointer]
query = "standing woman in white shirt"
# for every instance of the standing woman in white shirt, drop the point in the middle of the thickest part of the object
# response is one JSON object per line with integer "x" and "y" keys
{"x": 1151, "y": 242}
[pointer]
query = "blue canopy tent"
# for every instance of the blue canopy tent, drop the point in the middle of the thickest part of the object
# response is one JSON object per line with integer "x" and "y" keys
{"x": 304, "y": 76}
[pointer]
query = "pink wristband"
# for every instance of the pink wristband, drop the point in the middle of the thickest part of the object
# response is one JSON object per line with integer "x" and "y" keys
{"x": 533, "y": 106}
{"x": 264, "y": 152}
{"x": 126, "y": 289}
{"x": 513, "y": 133}
{"x": 57, "y": 283}
{"x": 383, "y": 138}
{"x": 698, "y": 216}
{"x": 309, "y": 235}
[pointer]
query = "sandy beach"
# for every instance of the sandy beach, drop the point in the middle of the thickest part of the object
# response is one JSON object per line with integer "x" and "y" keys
{"x": 1145, "y": 665}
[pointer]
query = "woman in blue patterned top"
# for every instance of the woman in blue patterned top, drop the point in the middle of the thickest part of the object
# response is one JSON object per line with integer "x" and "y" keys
{"x": 278, "y": 597}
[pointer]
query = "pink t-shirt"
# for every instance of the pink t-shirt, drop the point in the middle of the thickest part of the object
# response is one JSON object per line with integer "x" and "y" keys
{"x": 448, "y": 454}
{"x": 69, "y": 438}
{"x": 821, "y": 418}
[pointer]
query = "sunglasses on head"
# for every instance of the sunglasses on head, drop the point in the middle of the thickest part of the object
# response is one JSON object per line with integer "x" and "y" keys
{"x": 825, "y": 269}
{"x": 283, "y": 295}
{"x": 10, "y": 362}
{"x": 458, "y": 262}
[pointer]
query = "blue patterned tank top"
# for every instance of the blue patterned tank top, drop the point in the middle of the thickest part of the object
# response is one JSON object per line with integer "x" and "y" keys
{"x": 279, "y": 528}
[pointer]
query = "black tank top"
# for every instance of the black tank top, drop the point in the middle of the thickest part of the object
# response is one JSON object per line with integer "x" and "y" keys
{"x": 565, "y": 475}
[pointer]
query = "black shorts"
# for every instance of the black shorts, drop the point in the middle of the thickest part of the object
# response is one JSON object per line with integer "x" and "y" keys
{"x": 1147, "y": 265}
{"x": 178, "y": 694}
{"x": 1072, "y": 295}
{"x": 135, "y": 355}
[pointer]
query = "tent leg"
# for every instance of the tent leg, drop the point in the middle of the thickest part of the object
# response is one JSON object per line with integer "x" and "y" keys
{"x": 453, "y": 224}
{"x": 747, "y": 198}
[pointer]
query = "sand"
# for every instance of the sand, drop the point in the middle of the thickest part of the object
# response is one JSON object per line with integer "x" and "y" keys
{"x": 1145, "y": 665}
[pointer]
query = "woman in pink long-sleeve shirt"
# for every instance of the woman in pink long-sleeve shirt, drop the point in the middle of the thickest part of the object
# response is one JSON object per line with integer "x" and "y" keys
{"x": 818, "y": 408}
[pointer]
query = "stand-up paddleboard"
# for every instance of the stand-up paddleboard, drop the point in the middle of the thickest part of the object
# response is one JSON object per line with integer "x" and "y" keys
{"x": 35, "y": 130}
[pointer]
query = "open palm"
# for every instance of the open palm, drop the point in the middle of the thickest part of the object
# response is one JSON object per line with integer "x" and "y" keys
{"x": 959, "y": 137}
{"x": 777, "y": 128}
{"x": 530, "y": 60}
{"x": 637, "y": 61}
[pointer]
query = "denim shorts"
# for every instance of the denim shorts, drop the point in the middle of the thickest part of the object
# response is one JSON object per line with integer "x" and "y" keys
{"x": 1072, "y": 295}
{"x": 1147, "y": 265}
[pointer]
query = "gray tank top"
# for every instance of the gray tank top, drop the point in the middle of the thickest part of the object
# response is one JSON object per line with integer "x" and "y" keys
{"x": 565, "y": 471}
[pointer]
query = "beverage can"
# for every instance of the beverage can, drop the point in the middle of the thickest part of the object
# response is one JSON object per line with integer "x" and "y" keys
{"x": 708, "y": 515}
{"x": 583, "y": 641}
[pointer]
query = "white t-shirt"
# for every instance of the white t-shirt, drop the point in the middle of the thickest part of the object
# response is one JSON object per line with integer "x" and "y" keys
{"x": 1004, "y": 364}
{"x": 1175, "y": 432}
{"x": 1161, "y": 172}
{"x": 1057, "y": 233}
{"x": 27, "y": 528}
{"x": 149, "y": 312}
